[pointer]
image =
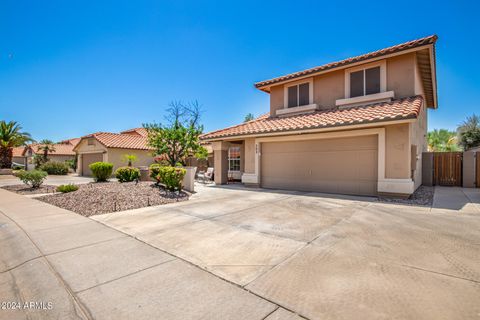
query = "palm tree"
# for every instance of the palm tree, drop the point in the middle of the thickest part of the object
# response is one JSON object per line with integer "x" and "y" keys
{"x": 442, "y": 140}
{"x": 46, "y": 146}
{"x": 11, "y": 136}
{"x": 249, "y": 117}
{"x": 469, "y": 132}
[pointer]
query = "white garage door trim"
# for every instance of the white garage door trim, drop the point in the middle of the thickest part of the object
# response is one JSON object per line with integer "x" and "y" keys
{"x": 404, "y": 186}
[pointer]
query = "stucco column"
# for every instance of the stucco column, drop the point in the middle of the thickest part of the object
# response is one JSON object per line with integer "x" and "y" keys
{"x": 80, "y": 164}
{"x": 469, "y": 169}
{"x": 220, "y": 160}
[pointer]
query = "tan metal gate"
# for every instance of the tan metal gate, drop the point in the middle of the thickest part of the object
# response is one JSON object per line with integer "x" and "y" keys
{"x": 447, "y": 168}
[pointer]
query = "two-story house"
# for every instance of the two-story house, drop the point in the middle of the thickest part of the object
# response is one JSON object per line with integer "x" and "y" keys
{"x": 356, "y": 126}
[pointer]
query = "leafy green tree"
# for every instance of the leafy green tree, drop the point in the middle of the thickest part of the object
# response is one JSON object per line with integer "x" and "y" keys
{"x": 249, "y": 117}
{"x": 45, "y": 147}
{"x": 179, "y": 137}
{"x": 442, "y": 140}
{"x": 11, "y": 136}
{"x": 469, "y": 132}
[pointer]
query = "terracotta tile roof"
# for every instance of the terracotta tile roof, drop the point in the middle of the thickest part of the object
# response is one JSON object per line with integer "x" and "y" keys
{"x": 139, "y": 131}
{"x": 18, "y": 151}
{"x": 61, "y": 149}
{"x": 120, "y": 140}
{"x": 371, "y": 55}
{"x": 380, "y": 112}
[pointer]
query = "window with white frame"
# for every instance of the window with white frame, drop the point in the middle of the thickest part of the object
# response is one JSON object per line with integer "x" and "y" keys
{"x": 366, "y": 80}
{"x": 298, "y": 95}
{"x": 234, "y": 159}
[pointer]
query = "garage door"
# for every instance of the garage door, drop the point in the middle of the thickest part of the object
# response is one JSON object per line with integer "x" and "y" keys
{"x": 343, "y": 165}
{"x": 89, "y": 158}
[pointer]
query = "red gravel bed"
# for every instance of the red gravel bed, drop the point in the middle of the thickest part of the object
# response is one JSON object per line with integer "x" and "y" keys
{"x": 25, "y": 190}
{"x": 99, "y": 198}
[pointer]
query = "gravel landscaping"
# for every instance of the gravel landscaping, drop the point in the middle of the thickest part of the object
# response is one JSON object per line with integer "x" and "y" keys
{"x": 26, "y": 190}
{"x": 99, "y": 198}
{"x": 423, "y": 196}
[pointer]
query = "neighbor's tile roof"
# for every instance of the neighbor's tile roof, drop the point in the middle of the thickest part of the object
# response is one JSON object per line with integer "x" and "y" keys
{"x": 120, "y": 140}
{"x": 18, "y": 151}
{"x": 61, "y": 149}
{"x": 140, "y": 131}
{"x": 371, "y": 55}
{"x": 387, "y": 111}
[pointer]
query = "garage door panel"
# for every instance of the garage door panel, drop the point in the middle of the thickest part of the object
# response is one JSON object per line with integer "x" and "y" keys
{"x": 345, "y": 165}
{"x": 89, "y": 158}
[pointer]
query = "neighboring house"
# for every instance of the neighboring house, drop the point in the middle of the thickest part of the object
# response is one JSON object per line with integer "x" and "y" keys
{"x": 18, "y": 157}
{"x": 111, "y": 147}
{"x": 356, "y": 126}
{"x": 63, "y": 151}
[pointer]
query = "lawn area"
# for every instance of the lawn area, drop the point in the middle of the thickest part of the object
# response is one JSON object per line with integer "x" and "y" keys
{"x": 99, "y": 198}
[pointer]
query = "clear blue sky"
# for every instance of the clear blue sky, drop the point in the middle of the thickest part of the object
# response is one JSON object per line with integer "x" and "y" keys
{"x": 69, "y": 68}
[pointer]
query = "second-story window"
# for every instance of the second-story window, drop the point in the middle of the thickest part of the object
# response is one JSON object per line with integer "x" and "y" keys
{"x": 365, "y": 82}
{"x": 298, "y": 95}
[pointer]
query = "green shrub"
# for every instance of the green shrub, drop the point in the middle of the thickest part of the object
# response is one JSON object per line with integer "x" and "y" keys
{"x": 72, "y": 163}
{"x": 155, "y": 171}
{"x": 172, "y": 177}
{"x": 101, "y": 171}
{"x": 127, "y": 174}
{"x": 55, "y": 167}
{"x": 33, "y": 178}
{"x": 65, "y": 188}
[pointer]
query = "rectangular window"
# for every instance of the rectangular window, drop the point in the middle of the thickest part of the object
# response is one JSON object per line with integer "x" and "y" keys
{"x": 365, "y": 82}
{"x": 234, "y": 159}
{"x": 299, "y": 95}
{"x": 91, "y": 142}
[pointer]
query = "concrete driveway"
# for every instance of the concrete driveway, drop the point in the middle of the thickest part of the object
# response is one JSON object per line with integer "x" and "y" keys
{"x": 324, "y": 256}
{"x": 235, "y": 253}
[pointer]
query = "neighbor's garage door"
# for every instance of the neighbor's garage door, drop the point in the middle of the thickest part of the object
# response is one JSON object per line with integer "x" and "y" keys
{"x": 343, "y": 165}
{"x": 89, "y": 158}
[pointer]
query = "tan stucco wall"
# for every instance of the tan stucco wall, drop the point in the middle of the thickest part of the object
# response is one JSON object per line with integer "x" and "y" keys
{"x": 115, "y": 156}
{"x": 276, "y": 99}
{"x": 418, "y": 137}
{"x": 401, "y": 75}
{"x": 397, "y": 151}
{"x": 250, "y": 155}
{"x": 328, "y": 87}
{"x": 60, "y": 158}
{"x": 84, "y": 147}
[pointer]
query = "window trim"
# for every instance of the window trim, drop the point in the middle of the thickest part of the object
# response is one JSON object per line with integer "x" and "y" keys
{"x": 383, "y": 76}
{"x": 234, "y": 159}
{"x": 296, "y": 83}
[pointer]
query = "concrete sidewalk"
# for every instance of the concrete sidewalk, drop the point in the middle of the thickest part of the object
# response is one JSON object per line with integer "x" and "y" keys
{"x": 55, "y": 264}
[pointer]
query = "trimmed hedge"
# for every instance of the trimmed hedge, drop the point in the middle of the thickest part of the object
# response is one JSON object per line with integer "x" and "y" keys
{"x": 172, "y": 177}
{"x": 127, "y": 174}
{"x": 101, "y": 171}
{"x": 65, "y": 188}
{"x": 55, "y": 167}
{"x": 34, "y": 178}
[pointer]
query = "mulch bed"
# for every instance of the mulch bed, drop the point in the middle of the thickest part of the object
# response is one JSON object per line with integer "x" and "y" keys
{"x": 423, "y": 196}
{"x": 105, "y": 197}
{"x": 26, "y": 190}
